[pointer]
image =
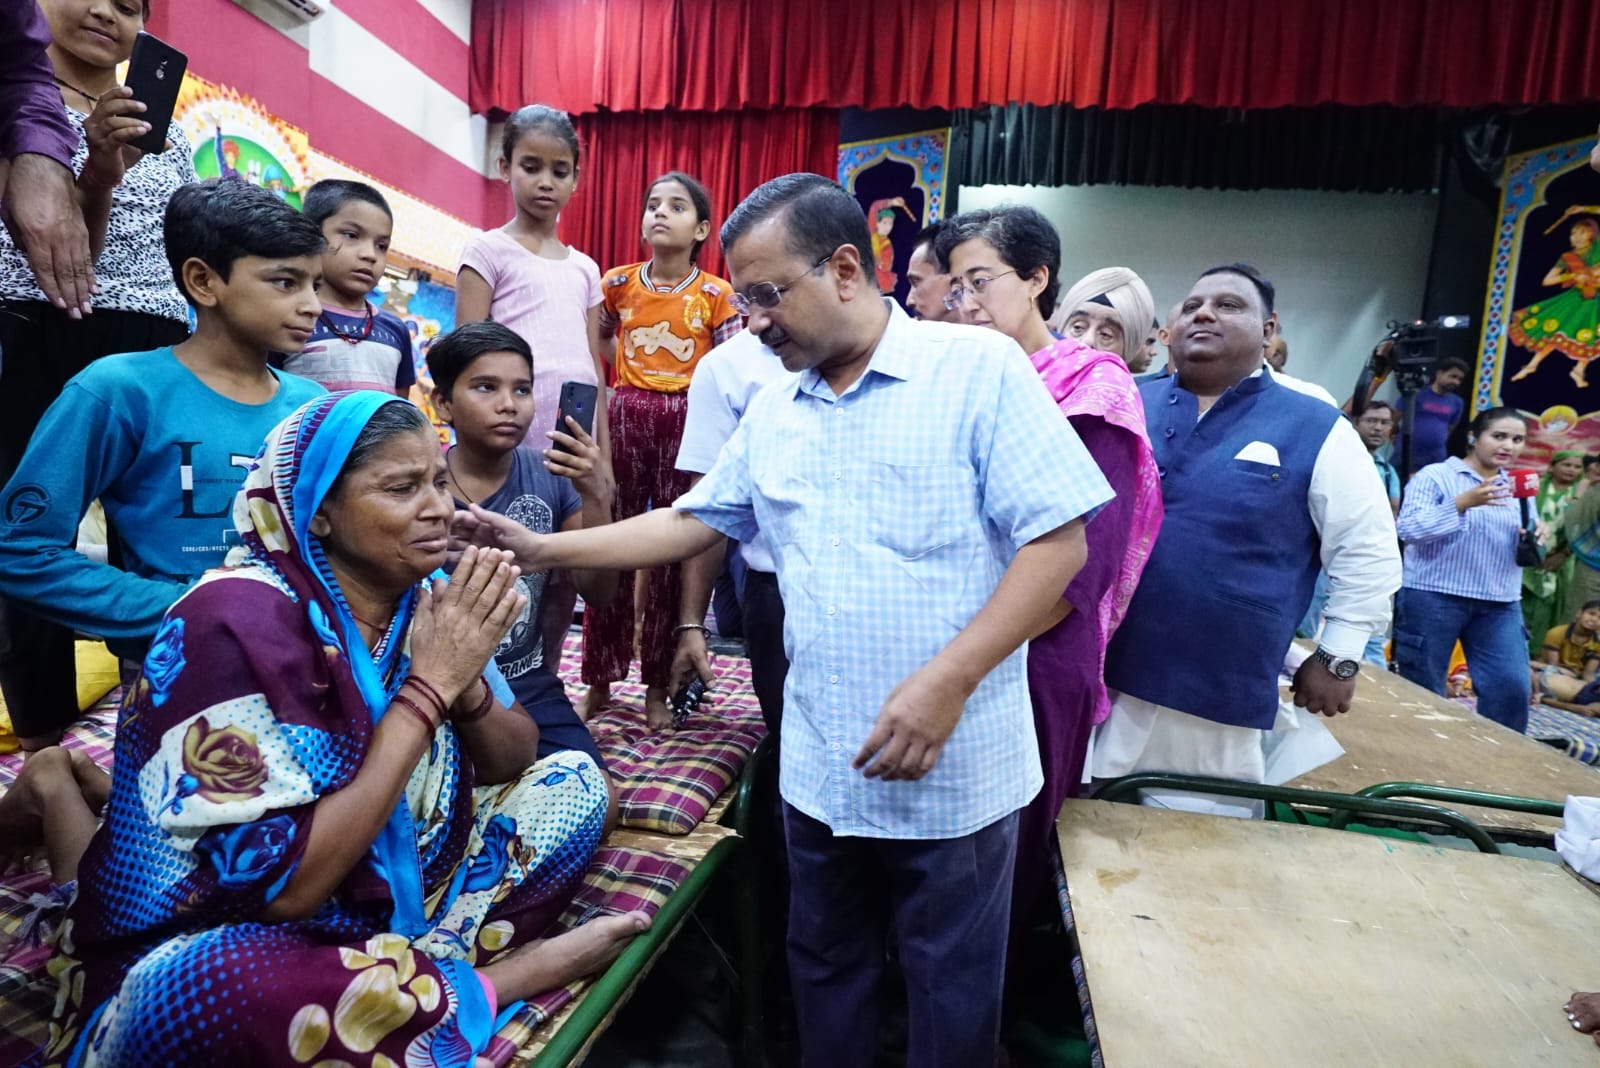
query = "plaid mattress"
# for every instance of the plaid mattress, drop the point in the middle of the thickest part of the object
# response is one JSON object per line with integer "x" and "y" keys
{"x": 1577, "y": 734}
{"x": 620, "y": 879}
{"x": 667, "y": 781}
{"x": 1079, "y": 977}
{"x": 26, "y": 993}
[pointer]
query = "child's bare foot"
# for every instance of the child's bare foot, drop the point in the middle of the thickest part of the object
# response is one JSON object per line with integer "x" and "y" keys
{"x": 93, "y": 780}
{"x": 46, "y": 775}
{"x": 46, "y": 807}
{"x": 1583, "y": 1010}
{"x": 657, "y": 716}
{"x": 555, "y": 962}
{"x": 595, "y": 701}
{"x": 21, "y": 822}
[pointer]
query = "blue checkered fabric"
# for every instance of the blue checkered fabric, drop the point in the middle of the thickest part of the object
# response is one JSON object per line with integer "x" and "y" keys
{"x": 893, "y": 510}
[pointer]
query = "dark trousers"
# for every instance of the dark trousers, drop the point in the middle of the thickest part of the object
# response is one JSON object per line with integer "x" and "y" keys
{"x": 727, "y": 593}
{"x": 41, "y": 350}
{"x": 763, "y": 644}
{"x": 949, "y": 901}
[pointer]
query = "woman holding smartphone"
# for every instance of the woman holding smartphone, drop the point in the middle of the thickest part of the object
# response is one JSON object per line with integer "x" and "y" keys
{"x": 123, "y": 194}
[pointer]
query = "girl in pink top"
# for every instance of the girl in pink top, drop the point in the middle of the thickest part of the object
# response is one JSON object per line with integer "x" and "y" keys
{"x": 523, "y": 277}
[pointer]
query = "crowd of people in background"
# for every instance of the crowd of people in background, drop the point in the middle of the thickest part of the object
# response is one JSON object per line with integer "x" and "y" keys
{"x": 985, "y": 508}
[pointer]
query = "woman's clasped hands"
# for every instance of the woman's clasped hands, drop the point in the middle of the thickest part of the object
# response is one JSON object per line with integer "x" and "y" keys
{"x": 460, "y": 624}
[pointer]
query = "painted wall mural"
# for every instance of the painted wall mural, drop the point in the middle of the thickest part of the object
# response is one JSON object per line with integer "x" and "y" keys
{"x": 428, "y": 309}
{"x": 1541, "y": 323}
{"x": 899, "y": 182}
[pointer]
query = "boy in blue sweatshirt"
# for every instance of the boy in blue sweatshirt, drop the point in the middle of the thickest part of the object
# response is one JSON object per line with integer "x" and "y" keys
{"x": 161, "y": 439}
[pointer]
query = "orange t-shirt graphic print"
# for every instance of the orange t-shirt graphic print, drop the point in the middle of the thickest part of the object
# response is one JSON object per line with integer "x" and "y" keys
{"x": 664, "y": 332}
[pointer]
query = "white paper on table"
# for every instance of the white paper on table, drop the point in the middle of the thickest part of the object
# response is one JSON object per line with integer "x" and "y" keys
{"x": 1297, "y": 743}
{"x": 1296, "y": 655}
{"x": 1578, "y": 840}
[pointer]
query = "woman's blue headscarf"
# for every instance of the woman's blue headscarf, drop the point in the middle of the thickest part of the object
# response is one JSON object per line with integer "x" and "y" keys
{"x": 302, "y": 458}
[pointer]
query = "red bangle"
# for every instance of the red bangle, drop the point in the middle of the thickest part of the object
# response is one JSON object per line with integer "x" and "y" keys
{"x": 482, "y": 708}
{"x": 430, "y": 695}
{"x": 415, "y": 709}
{"x": 428, "y": 689}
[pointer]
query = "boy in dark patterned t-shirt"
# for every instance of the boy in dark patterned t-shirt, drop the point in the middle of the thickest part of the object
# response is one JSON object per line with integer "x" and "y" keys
{"x": 483, "y": 387}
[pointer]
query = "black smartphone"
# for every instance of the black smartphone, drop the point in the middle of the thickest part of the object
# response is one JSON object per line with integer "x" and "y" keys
{"x": 687, "y": 700}
{"x": 155, "y": 73}
{"x": 577, "y": 400}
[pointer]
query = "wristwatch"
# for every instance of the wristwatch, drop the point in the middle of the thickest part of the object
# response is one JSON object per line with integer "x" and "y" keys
{"x": 1344, "y": 670}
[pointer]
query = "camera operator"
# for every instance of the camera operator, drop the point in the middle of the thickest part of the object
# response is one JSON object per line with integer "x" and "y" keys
{"x": 1437, "y": 411}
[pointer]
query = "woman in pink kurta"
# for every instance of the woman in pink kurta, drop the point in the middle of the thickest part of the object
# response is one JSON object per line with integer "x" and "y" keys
{"x": 1003, "y": 267}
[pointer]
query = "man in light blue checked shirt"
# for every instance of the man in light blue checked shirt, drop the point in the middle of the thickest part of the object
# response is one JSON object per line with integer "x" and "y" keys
{"x": 925, "y": 503}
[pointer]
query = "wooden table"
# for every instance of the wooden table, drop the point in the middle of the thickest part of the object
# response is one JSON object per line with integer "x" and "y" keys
{"x": 1397, "y": 731}
{"x": 1215, "y": 941}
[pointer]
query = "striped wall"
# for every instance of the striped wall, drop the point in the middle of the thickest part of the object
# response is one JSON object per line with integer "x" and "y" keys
{"x": 378, "y": 85}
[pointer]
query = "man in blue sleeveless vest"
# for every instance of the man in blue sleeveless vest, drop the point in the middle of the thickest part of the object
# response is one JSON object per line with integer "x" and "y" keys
{"x": 1263, "y": 486}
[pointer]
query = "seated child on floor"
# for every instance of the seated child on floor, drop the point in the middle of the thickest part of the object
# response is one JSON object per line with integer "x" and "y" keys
{"x": 1566, "y": 676}
{"x": 483, "y": 387}
{"x": 1575, "y": 647}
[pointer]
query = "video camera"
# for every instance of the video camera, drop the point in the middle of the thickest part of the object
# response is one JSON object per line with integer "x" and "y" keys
{"x": 1411, "y": 349}
{"x": 1409, "y": 352}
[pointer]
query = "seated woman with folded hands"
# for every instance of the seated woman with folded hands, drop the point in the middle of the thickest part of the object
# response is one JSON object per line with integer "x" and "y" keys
{"x": 327, "y": 839}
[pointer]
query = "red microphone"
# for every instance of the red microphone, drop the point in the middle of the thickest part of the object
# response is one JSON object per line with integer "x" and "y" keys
{"x": 1524, "y": 482}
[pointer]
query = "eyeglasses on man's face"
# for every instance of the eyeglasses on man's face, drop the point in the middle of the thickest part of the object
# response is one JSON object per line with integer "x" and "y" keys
{"x": 975, "y": 286}
{"x": 769, "y": 294}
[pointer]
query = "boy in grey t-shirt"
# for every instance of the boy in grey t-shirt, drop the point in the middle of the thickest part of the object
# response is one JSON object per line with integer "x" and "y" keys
{"x": 483, "y": 387}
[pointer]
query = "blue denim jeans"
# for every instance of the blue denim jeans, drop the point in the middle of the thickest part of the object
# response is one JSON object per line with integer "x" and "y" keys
{"x": 1376, "y": 652}
{"x": 1427, "y": 626}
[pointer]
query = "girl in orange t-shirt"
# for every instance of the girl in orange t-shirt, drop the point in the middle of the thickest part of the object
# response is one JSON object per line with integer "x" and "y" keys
{"x": 657, "y": 319}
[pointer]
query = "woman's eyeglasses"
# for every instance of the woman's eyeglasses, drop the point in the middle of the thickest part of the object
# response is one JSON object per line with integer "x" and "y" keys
{"x": 958, "y": 292}
{"x": 767, "y": 294}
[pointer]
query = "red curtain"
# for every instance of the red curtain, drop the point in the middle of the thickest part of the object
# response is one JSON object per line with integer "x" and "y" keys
{"x": 713, "y": 55}
{"x": 729, "y": 152}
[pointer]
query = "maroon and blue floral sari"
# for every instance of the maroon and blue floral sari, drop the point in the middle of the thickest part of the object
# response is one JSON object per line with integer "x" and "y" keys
{"x": 259, "y": 697}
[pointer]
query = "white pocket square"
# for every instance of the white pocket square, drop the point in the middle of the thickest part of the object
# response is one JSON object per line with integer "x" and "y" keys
{"x": 1259, "y": 452}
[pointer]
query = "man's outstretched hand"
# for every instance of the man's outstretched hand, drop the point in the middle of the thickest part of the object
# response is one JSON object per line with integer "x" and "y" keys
{"x": 491, "y": 530}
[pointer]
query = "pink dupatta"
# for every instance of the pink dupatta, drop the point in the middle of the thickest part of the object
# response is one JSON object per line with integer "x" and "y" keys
{"x": 1086, "y": 381}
